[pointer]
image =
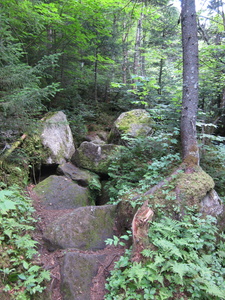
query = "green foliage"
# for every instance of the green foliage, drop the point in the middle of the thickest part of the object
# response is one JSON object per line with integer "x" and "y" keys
{"x": 115, "y": 241}
{"x": 144, "y": 163}
{"x": 188, "y": 263}
{"x": 24, "y": 88}
{"x": 19, "y": 275}
{"x": 78, "y": 117}
{"x": 213, "y": 162}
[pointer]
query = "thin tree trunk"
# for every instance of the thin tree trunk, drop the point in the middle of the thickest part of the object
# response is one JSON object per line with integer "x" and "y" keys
{"x": 125, "y": 53}
{"x": 96, "y": 77}
{"x": 190, "y": 82}
{"x": 160, "y": 76}
{"x": 137, "y": 60}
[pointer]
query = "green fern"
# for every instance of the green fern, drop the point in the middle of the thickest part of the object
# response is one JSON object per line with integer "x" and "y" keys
{"x": 17, "y": 248}
{"x": 183, "y": 262}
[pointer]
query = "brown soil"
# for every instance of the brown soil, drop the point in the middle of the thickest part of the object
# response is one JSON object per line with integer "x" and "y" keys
{"x": 51, "y": 260}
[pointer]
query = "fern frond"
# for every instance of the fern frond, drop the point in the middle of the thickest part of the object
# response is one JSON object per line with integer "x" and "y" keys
{"x": 181, "y": 269}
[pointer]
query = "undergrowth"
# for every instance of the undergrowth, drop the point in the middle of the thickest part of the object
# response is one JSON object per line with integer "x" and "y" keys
{"x": 143, "y": 163}
{"x": 188, "y": 263}
{"x": 20, "y": 277}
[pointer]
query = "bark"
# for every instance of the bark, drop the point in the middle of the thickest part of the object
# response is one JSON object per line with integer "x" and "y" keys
{"x": 160, "y": 76}
{"x": 137, "y": 51}
{"x": 140, "y": 226}
{"x": 125, "y": 52}
{"x": 96, "y": 77}
{"x": 190, "y": 82}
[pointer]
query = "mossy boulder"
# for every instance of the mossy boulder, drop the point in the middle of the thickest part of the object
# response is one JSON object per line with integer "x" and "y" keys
{"x": 82, "y": 177}
{"x": 57, "y": 138}
{"x": 94, "y": 157}
{"x": 59, "y": 192}
{"x": 85, "y": 228}
{"x": 78, "y": 271}
{"x": 185, "y": 189}
{"x": 133, "y": 124}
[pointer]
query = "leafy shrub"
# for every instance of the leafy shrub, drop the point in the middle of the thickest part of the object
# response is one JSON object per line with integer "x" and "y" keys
{"x": 143, "y": 163}
{"x": 19, "y": 274}
{"x": 189, "y": 263}
{"x": 213, "y": 162}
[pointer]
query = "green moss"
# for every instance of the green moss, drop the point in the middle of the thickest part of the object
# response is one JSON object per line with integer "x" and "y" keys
{"x": 34, "y": 150}
{"x": 194, "y": 186}
{"x": 132, "y": 117}
{"x": 15, "y": 173}
{"x": 48, "y": 116}
{"x": 187, "y": 189}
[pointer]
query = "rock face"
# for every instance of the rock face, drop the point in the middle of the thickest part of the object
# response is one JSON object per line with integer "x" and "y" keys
{"x": 77, "y": 271}
{"x": 94, "y": 157}
{"x": 133, "y": 123}
{"x": 57, "y": 138}
{"x": 85, "y": 228}
{"x": 59, "y": 192}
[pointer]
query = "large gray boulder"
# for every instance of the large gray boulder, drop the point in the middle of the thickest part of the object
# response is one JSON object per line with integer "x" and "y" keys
{"x": 94, "y": 157}
{"x": 59, "y": 192}
{"x": 77, "y": 272}
{"x": 85, "y": 228}
{"x": 57, "y": 138}
{"x": 133, "y": 124}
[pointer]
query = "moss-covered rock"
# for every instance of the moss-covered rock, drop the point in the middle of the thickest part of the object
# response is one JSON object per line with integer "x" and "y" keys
{"x": 59, "y": 192}
{"x": 133, "y": 123}
{"x": 85, "y": 228}
{"x": 78, "y": 271}
{"x": 93, "y": 157}
{"x": 84, "y": 178}
{"x": 186, "y": 189}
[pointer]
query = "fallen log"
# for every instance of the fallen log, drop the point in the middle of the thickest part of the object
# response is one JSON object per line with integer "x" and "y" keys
{"x": 12, "y": 148}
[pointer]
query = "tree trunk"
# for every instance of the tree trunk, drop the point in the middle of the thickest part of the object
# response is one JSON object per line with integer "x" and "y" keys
{"x": 190, "y": 83}
{"x": 140, "y": 226}
{"x": 137, "y": 56}
{"x": 96, "y": 77}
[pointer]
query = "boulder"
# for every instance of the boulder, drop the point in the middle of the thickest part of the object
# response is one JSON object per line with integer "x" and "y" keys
{"x": 57, "y": 138}
{"x": 97, "y": 137}
{"x": 59, "y": 192}
{"x": 182, "y": 190}
{"x": 77, "y": 272}
{"x": 82, "y": 177}
{"x": 85, "y": 228}
{"x": 211, "y": 204}
{"x": 133, "y": 124}
{"x": 94, "y": 157}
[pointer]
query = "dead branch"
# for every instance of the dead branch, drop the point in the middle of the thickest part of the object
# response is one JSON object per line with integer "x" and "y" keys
{"x": 15, "y": 145}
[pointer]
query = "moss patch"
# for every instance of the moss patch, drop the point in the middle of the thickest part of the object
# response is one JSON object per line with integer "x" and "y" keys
{"x": 133, "y": 117}
{"x": 187, "y": 189}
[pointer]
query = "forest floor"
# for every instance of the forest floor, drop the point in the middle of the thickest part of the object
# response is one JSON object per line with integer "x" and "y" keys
{"x": 52, "y": 260}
